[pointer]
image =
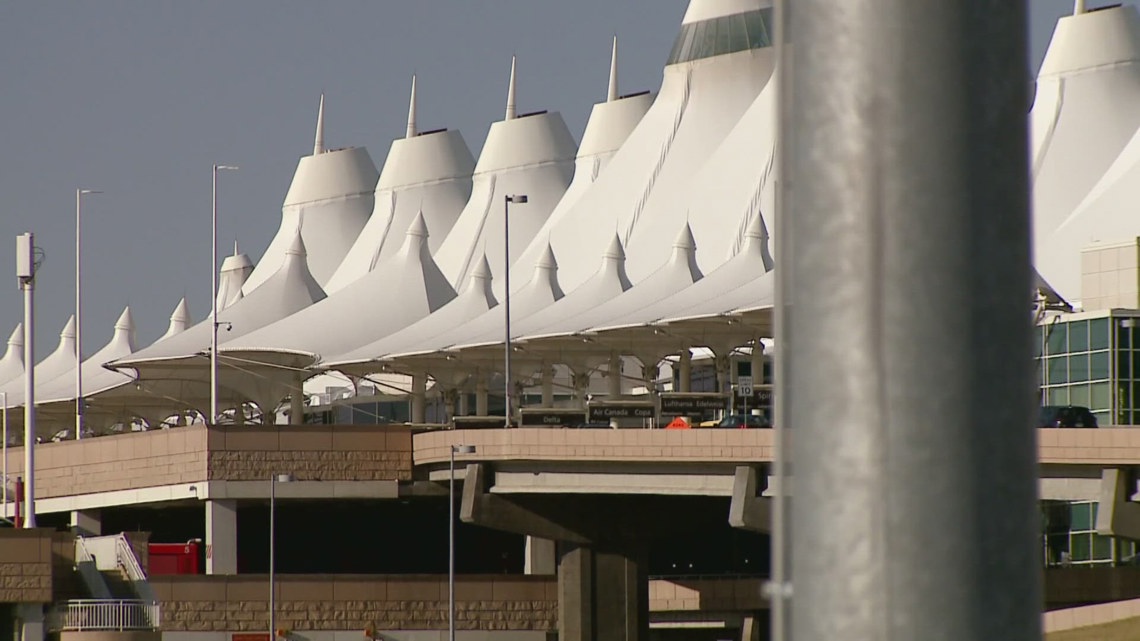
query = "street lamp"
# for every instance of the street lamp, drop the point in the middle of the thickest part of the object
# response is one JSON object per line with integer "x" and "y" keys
{"x": 273, "y": 481}
{"x": 214, "y": 297}
{"x": 79, "y": 193}
{"x": 519, "y": 199}
{"x": 455, "y": 449}
{"x": 28, "y": 260}
{"x": 4, "y": 409}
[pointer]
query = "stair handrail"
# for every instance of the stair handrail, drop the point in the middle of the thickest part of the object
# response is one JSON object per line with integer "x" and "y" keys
{"x": 85, "y": 566}
{"x": 125, "y": 555}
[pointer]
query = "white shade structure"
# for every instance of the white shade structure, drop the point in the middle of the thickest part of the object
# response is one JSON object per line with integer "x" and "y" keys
{"x": 61, "y": 361}
{"x": 96, "y": 378}
{"x": 179, "y": 320}
{"x": 1083, "y": 117}
{"x": 12, "y": 364}
{"x": 234, "y": 272}
{"x": 428, "y": 173}
{"x": 329, "y": 200}
{"x": 528, "y": 154}
{"x": 704, "y": 93}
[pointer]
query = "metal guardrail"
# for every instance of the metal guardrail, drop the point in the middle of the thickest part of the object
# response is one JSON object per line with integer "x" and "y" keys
{"x": 104, "y": 614}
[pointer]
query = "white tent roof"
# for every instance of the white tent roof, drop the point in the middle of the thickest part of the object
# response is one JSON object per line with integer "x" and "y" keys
{"x": 12, "y": 365}
{"x": 531, "y": 155}
{"x": 537, "y": 293}
{"x": 232, "y": 276}
{"x": 290, "y": 289}
{"x": 58, "y": 362}
{"x": 329, "y": 200}
{"x": 679, "y": 272}
{"x": 475, "y": 300}
{"x": 96, "y": 378}
{"x": 428, "y": 173}
{"x": 699, "y": 103}
{"x": 403, "y": 289}
{"x": 1083, "y": 115}
{"x": 179, "y": 319}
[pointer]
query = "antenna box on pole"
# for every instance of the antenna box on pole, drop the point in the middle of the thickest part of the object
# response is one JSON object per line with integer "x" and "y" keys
{"x": 25, "y": 256}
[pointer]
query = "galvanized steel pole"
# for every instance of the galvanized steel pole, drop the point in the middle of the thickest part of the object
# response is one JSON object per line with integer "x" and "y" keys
{"x": 909, "y": 393}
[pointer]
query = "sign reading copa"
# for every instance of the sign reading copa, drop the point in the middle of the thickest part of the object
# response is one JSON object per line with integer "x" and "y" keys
{"x": 604, "y": 411}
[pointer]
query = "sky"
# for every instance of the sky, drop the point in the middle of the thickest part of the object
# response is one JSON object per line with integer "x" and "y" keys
{"x": 139, "y": 99}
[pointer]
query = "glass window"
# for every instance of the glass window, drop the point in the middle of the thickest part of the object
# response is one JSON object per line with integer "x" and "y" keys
{"x": 1081, "y": 517}
{"x": 1124, "y": 337}
{"x": 1057, "y": 370}
{"x": 1098, "y": 365}
{"x": 1098, "y": 333}
{"x": 1078, "y": 368}
{"x": 1102, "y": 548}
{"x": 1056, "y": 338}
{"x": 1101, "y": 396}
{"x": 1038, "y": 337}
{"x": 1079, "y": 336}
{"x": 1058, "y": 396}
{"x": 1135, "y": 356}
{"x": 1079, "y": 395}
{"x": 1081, "y": 547}
{"x": 1123, "y": 364}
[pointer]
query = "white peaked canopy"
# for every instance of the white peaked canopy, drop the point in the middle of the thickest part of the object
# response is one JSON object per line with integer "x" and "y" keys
{"x": 608, "y": 127}
{"x": 400, "y": 291}
{"x": 703, "y": 94}
{"x": 179, "y": 320}
{"x": 329, "y": 200}
{"x": 679, "y": 272}
{"x": 538, "y": 293}
{"x": 529, "y": 154}
{"x": 607, "y": 283}
{"x": 428, "y": 173}
{"x": 60, "y": 361}
{"x": 12, "y": 365}
{"x": 96, "y": 378}
{"x": 290, "y": 289}
{"x": 472, "y": 302}
{"x": 1083, "y": 116}
{"x": 233, "y": 274}
{"x": 718, "y": 290}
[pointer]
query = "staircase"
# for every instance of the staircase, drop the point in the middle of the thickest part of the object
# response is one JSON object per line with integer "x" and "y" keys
{"x": 110, "y": 569}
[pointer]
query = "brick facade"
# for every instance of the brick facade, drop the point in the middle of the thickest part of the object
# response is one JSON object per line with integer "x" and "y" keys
{"x": 25, "y": 566}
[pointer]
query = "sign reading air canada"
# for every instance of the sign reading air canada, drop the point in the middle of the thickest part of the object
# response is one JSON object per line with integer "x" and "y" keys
{"x": 550, "y": 417}
{"x": 677, "y": 403}
{"x": 603, "y": 410}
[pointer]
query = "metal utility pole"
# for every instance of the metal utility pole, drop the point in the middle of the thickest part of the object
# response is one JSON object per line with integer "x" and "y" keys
{"x": 909, "y": 227}
{"x": 455, "y": 449}
{"x": 519, "y": 199}
{"x": 214, "y": 293}
{"x": 79, "y": 193}
{"x": 26, "y": 266}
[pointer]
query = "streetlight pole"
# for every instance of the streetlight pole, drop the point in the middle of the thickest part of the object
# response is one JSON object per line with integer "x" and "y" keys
{"x": 455, "y": 449}
{"x": 4, "y": 409}
{"x": 518, "y": 199}
{"x": 79, "y": 193}
{"x": 26, "y": 266}
{"x": 214, "y": 297}
{"x": 274, "y": 479}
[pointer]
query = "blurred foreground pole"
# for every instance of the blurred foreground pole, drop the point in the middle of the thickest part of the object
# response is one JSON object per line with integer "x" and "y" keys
{"x": 908, "y": 291}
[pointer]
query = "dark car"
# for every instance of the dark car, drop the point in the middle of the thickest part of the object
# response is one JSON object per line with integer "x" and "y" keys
{"x": 744, "y": 421}
{"x": 1065, "y": 416}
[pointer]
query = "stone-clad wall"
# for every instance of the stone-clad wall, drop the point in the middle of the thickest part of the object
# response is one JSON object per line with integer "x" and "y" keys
{"x": 25, "y": 566}
{"x": 344, "y": 602}
{"x": 340, "y": 453}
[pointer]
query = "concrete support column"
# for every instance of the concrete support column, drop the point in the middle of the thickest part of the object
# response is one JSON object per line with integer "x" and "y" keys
{"x": 750, "y": 629}
{"x": 581, "y": 388}
{"x": 462, "y": 409}
{"x": 547, "y": 385}
{"x": 419, "y": 397}
{"x": 239, "y": 414}
{"x": 31, "y": 622}
{"x": 757, "y": 362}
{"x": 297, "y": 401}
{"x": 603, "y": 595}
{"x": 613, "y": 372}
{"x": 480, "y": 395}
{"x": 221, "y": 537}
{"x": 540, "y": 556}
{"x": 87, "y": 522}
{"x": 685, "y": 371}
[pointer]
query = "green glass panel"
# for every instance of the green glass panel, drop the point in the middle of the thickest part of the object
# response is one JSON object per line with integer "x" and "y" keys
{"x": 1135, "y": 358}
{"x": 1098, "y": 333}
{"x": 1057, "y": 370}
{"x": 1081, "y": 547}
{"x": 1038, "y": 340}
{"x": 1102, "y": 417}
{"x": 1079, "y": 395}
{"x": 1056, "y": 338}
{"x": 1123, "y": 364}
{"x": 1078, "y": 368}
{"x": 1124, "y": 337}
{"x": 1079, "y": 336}
{"x": 1082, "y": 517}
{"x": 1101, "y": 397}
{"x": 1102, "y": 547}
{"x": 1098, "y": 366}
{"x": 1058, "y": 396}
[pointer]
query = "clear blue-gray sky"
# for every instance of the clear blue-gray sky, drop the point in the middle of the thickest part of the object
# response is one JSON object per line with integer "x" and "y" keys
{"x": 139, "y": 99}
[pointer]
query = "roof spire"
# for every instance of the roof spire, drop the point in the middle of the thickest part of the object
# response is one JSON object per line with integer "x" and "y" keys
{"x": 613, "y": 93}
{"x": 412, "y": 111}
{"x": 511, "y": 112}
{"x": 235, "y": 247}
{"x": 1078, "y": 7}
{"x": 319, "y": 142}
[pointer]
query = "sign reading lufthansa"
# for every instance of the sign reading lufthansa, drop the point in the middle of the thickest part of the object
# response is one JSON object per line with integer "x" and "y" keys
{"x": 678, "y": 403}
